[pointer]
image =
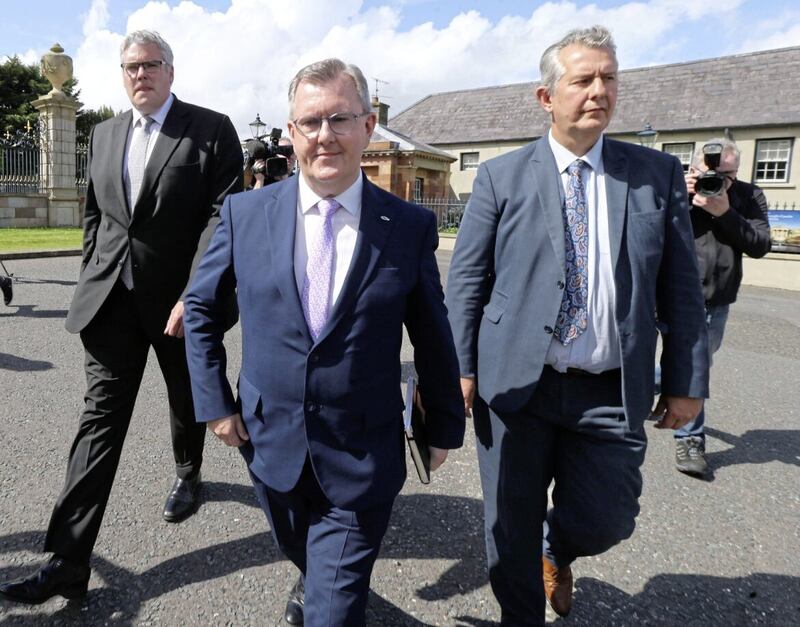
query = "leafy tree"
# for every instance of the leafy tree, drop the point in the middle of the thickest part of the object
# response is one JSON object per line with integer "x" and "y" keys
{"x": 87, "y": 118}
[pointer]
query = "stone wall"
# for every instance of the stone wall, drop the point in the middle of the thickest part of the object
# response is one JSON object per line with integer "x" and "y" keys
{"x": 23, "y": 210}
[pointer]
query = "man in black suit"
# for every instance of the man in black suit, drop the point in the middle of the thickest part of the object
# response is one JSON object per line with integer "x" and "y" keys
{"x": 157, "y": 177}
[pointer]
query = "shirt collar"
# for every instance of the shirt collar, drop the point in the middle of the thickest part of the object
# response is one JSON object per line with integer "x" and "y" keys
{"x": 594, "y": 157}
{"x": 350, "y": 198}
{"x": 159, "y": 116}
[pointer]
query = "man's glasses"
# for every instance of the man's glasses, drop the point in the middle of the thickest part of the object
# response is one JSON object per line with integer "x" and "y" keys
{"x": 339, "y": 123}
{"x": 149, "y": 67}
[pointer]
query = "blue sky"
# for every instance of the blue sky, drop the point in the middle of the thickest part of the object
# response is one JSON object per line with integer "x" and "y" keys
{"x": 418, "y": 46}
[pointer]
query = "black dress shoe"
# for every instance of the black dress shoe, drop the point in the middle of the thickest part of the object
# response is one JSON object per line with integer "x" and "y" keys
{"x": 57, "y": 577}
{"x": 294, "y": 606}
{"x": 8, "y": 290}
{"x": 183, "y": 499}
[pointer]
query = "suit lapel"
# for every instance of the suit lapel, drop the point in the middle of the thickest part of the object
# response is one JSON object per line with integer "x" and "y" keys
{"x": 119, "y": 140}
{"x": 616, "y": 167}
{"x": 377, "y": 220}
{"x": 280, "y": 214}
{"x": 547, "y": 182}
{"x": 169, "y": 137}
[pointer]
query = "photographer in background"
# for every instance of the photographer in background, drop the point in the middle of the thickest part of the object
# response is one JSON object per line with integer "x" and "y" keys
{"x": 268, "y": 162}
{"x": 729, "y": 218}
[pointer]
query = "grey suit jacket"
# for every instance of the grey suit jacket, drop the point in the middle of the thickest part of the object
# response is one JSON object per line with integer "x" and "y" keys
{"x": 195, "y": 163}
{"x": 506, "y": 276}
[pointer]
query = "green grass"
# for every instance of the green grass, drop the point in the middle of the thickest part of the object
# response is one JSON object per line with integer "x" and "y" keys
{"x": 23, "y": 240}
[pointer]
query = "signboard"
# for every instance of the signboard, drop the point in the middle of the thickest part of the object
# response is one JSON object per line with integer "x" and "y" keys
{"x": 784, "y": 229}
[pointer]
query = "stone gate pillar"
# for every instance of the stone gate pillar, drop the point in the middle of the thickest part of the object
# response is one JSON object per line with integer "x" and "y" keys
{"x": 57, "y": 141}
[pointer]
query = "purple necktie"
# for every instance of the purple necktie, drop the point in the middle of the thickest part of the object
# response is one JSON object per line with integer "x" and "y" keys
{"x": 317, "y": 284}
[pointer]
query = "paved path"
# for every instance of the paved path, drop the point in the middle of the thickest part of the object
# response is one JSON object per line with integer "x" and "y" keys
{"x": 720, "y": 552}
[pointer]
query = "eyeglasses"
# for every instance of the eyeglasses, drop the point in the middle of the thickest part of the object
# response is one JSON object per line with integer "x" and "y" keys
{"x": 339, "y": 123}
{"x": 149, "y": 67}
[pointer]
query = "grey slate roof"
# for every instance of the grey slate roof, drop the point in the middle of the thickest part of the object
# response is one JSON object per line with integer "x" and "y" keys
{"x": 407, "y": 144}
{"x": 753, "y": 89}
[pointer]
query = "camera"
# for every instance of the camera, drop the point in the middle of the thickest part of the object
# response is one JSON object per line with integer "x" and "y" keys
{"x": 274, "y": 156}
{"x": 710, "y": 182}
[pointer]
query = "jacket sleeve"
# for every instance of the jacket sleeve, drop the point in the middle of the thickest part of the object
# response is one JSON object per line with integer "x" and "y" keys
{"x": 91, "y": 212}
{"x": 746, "y": 227}
{"x": 434, "y": 353}
{"x": 205, "y": 324}
{"x": 472, "y": 270}
{"x": 679, "y": 300}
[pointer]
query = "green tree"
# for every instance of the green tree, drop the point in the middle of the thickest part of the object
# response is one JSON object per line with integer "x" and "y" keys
{"x": 87, "y": 118}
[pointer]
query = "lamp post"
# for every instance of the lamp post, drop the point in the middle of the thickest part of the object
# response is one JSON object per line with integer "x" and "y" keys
{"x": 257, "y": 127}
{"x": 647, "y": 137}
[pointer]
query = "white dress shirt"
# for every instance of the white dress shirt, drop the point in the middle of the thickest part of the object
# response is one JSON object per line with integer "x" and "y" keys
{"x": 345, "y": 231}
{"x": 597, "y": 348}
{"x": 155, "y": 131}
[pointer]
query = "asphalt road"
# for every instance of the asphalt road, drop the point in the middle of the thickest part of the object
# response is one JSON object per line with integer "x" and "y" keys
{"x": 720, "y": 552}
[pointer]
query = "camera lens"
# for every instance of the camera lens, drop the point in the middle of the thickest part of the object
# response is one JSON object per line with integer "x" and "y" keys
{"x": 709, "y": 184}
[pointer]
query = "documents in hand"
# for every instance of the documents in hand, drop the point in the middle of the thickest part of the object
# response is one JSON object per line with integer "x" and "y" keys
{"x": 416, "y": 434}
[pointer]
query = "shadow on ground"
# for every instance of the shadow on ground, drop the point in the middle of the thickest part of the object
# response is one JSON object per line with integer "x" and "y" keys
{"x": 423, "y": 526}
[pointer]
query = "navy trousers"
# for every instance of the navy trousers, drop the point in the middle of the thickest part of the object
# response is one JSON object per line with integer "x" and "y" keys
{"x": 334, "y": 549}
{"x": 574, "y": 433}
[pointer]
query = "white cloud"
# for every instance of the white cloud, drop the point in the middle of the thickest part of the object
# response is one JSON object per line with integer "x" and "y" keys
{"x": 241, "y": 60}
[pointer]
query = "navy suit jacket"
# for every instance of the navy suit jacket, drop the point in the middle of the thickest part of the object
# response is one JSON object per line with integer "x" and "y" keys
{"x": 506, "y": 276}
{"x": 336, "y": 400}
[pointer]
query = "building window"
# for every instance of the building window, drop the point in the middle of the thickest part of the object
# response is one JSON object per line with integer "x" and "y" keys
{"x": 683, "y": 151}
{"x": 469, "y": 160}
{"x": 772, "y": 160}
{"x": 419, "y": 187}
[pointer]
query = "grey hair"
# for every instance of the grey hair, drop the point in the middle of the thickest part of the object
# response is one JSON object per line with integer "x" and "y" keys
{"x": 551, "y": 68}
{"x": 329, "y": 70}
{"x": 728, "y": 147}
{"x": 145, "y": 37}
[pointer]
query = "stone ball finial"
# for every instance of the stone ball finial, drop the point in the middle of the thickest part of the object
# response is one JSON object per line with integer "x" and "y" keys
{"x": 56, "y": 67}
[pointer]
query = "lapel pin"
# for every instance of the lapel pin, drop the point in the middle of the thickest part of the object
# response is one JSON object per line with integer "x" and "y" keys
{"x": 385, "y": 218}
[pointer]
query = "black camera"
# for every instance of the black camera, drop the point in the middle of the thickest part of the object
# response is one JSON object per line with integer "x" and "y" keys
{"x": 711, "y": 182}
{"x": 274, "y": 156}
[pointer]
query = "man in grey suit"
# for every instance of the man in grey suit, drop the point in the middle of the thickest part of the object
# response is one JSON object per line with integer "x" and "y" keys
{"x": 157, "y": 177}
{"x": 569, "y": 250}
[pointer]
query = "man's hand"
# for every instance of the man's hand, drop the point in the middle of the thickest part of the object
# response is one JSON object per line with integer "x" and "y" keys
{"x": 468, "y": 391}
{"x": 438, "y": 455}
{"x": 174, "y": 326}
{"x": 676, "y": 411}
{"x": 230, "y": 430}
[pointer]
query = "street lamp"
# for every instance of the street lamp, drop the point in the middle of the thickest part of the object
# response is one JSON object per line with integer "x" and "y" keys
{"x": 647, "y": 137}
{"x": 257, "y": 127}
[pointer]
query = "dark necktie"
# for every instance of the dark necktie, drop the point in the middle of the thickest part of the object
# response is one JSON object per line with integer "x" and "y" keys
{"x": 573, "y": 317}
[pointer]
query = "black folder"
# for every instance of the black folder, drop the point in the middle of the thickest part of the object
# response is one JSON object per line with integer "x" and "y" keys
{"x": 416, "y": 432}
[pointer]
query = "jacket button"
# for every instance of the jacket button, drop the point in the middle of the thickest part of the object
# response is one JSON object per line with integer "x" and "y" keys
{"x": 312, "y": 408}
{"x": 314, "y": 358}
{"x": 560, "y": 285}
{"x": 120, "y": 262}
{"x": 548, "y": 329}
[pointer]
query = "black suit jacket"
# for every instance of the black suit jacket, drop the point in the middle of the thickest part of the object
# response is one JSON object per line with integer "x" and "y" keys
{"x": 195, "y": 163}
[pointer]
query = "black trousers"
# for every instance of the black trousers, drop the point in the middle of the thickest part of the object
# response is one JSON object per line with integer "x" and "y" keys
{"x": 116, "y": 344}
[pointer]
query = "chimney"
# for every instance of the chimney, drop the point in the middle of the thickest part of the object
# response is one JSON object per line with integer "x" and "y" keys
{"x": 382, "y": 109}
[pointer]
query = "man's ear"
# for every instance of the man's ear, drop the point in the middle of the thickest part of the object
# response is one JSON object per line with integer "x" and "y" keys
{"x": 544, "y": 98}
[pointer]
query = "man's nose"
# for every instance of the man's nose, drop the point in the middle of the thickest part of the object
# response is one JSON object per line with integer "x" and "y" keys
{"x": 598, "y": 87}
{"x": 326, "y": 134}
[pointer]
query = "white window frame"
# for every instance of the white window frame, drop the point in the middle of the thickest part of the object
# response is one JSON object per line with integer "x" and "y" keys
{"x": 471, "y": 165}
{"x": 680, "y": 155}
{"x": 772, "y": 156}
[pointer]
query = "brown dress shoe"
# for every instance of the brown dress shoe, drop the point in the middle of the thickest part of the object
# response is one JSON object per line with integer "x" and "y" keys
{"x": 557, "y": 587}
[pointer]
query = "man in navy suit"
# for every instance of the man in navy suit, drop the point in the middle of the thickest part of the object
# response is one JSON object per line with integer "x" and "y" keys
{"x": 569, "y": 249}
{"x": 328, "y": 268}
